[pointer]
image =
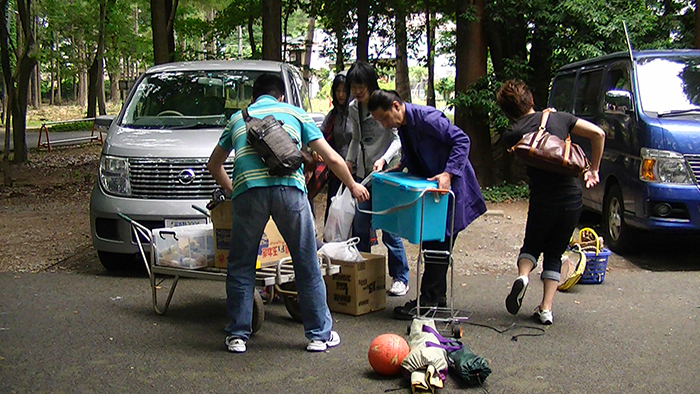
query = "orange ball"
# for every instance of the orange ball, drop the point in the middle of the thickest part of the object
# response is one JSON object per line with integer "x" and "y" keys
{"x": 386, "y": 352}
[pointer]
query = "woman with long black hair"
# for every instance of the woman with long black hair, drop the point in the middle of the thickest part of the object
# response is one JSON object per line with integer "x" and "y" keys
{"x": 337, "y": 130}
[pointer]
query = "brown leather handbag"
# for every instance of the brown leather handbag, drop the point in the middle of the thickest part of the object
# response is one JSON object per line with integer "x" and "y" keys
{"x": 550, "y": 153}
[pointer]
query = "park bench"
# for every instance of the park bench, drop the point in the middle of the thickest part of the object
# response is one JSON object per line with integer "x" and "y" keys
{"x": 100, "y": 125}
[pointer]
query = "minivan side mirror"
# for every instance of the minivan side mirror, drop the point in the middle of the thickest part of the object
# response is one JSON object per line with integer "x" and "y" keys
{"x": 618, "y": 102}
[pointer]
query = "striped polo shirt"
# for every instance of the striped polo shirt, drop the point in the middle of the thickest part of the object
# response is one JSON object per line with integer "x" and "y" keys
{"x": 249, "y": 170}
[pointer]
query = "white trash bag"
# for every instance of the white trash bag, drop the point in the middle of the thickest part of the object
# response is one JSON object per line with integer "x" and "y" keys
{"x": 345, "y": 251}
{"x": 340, "y": 216}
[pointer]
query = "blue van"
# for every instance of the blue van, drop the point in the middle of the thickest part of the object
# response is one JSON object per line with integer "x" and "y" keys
{"x": 648, "y": 103}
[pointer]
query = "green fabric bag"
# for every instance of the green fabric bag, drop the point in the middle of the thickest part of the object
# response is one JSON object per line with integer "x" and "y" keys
{"x": 471, "y": 368}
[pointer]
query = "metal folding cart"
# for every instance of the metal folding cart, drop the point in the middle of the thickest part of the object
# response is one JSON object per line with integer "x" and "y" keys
{"x": 448, "y": 315}
{"x": 274, "y": 279}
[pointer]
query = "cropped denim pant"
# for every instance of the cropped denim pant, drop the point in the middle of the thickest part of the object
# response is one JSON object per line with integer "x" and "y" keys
{"x": 548, "y": 231}
{"x": 290, "y": 209}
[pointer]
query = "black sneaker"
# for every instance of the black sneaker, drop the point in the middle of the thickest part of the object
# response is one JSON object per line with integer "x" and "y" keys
{"x": 517, "y": 292}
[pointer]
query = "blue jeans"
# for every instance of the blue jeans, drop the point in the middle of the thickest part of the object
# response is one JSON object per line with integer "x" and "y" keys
{"x": 291, "y": 212}
{"x": 398, "y": 265}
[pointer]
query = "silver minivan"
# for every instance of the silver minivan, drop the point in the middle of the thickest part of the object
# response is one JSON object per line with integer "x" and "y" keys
{"x": 153, "y": 162}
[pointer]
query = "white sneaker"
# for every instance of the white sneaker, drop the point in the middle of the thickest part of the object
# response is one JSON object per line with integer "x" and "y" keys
{"x": 545, "y": 317}
{"x": 398, "y": 289}
{"x": 322, "y": 346}
{"x": 235, "y": 344}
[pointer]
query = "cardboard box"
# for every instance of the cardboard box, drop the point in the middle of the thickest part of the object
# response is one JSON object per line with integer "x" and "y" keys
{"x": 360, "y": 287}
{"x": 272, "y": 247}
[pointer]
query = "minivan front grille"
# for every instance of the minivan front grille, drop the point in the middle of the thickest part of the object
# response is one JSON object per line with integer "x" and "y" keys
{"x": 172, "y": 178}
{"x": 694, "y": 163}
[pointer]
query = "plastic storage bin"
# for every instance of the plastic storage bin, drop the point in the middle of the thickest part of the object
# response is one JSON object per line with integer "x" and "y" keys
{"x": 392, "y": 189}
{"x": 188, "y": 247}
{"x": 595, "y": 267}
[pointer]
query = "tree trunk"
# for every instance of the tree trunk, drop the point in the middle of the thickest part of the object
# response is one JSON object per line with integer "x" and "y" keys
{"x": 170, "y": 10}
{"x": 470, "y": 66}
{"x": 159, "y": 24}
{"x": 32, "y": 98}
{"x": 272, "y": 30}
{"x": 52, "y": 93}
{"x": 96, "y": 71}
{"x": 362, "y": 30}
{"x": 495, "y": 48}
{"x": 697, "y": 26}
{"x": 17, "y": 80}
{"x": 211, "y": 52}
{"x": 285, "y": 49}
{"x": 306, "y": 64}
{"x": 114, "y": 78}
{"x": 251, "y": 37}
{"x": 59, "y": 85}
{"x": 339, "y": 54}
{"x": 540, "y": 63}
{"x": 36, "y": 75}
{"x": 403, "y": 83}
{"x": 81, "y": 87}
{"x": 430, "y": 33}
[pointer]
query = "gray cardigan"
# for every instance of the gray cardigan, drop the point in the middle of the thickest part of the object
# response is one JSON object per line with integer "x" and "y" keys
{"x": 370, "y": 141}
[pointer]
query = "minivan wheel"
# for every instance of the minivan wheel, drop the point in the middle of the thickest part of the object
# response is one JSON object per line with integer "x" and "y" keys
{"x": 116, "y": 261}
{"x": 616, "y": 233}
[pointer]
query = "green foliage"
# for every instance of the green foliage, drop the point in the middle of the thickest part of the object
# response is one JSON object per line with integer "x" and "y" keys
{"x": 324, "y": 82}
{"x": 417, "y": 73}
{"x": 387, "y": 85}
{"x": 446, "y": 86}
{"x": 506, "y": 192}
{"x": 480, "y": 100}
{"x": 76, "y": 126}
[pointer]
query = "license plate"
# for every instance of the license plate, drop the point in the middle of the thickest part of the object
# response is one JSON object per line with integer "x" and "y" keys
{"x": 183, "y": 222}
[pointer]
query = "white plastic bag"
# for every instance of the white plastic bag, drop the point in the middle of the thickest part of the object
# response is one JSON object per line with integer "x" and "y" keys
{"x": 340, "y": 216}
{"x": 345, "y": 251}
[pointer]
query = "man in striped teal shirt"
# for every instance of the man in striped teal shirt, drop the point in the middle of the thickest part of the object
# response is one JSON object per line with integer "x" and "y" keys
{"x": 257, "y": 195}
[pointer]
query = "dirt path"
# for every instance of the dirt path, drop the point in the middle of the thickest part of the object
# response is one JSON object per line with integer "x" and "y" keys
{"x": 44, "y": 221}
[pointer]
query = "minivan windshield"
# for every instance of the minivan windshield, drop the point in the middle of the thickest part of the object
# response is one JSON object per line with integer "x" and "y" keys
{"x": 669, "y": 85}
{"x": 189, "y": 99}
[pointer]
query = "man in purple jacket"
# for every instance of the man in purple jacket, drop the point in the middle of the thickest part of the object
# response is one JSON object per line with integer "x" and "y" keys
{"x": 432, "y": 148}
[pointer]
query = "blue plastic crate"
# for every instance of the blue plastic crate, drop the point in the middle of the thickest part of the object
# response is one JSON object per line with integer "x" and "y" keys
{"x": 595, "y": 267}
{"x": 392, "y": 189}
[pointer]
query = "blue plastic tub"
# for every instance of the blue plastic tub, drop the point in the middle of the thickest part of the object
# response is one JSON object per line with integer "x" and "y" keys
{"x": 392, "y": 189}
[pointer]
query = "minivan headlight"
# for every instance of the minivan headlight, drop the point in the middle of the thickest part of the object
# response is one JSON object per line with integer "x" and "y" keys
{"x": 114, "y": 175}
{"x": 664, "y": 166}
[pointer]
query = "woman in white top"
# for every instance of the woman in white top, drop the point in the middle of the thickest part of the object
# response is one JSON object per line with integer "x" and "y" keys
{"x": 371, "y": 149}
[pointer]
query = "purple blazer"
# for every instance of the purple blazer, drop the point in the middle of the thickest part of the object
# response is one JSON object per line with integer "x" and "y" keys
{"x": 430, "y": 145}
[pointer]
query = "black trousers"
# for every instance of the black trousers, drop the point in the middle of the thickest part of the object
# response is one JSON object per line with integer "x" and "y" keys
{"x": 550, "y": 225}
{"x": 433, "y": 288}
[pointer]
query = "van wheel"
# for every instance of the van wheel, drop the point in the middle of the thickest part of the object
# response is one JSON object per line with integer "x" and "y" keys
{"x": 117, "y": 261}
{"x": 617, "y": 234}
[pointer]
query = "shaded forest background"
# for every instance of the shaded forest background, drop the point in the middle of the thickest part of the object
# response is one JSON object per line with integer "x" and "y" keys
{"x": 82, "y": 51}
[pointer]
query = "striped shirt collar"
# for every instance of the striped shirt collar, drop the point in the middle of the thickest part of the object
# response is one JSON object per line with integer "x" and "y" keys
{"x": 266, "y": 99}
